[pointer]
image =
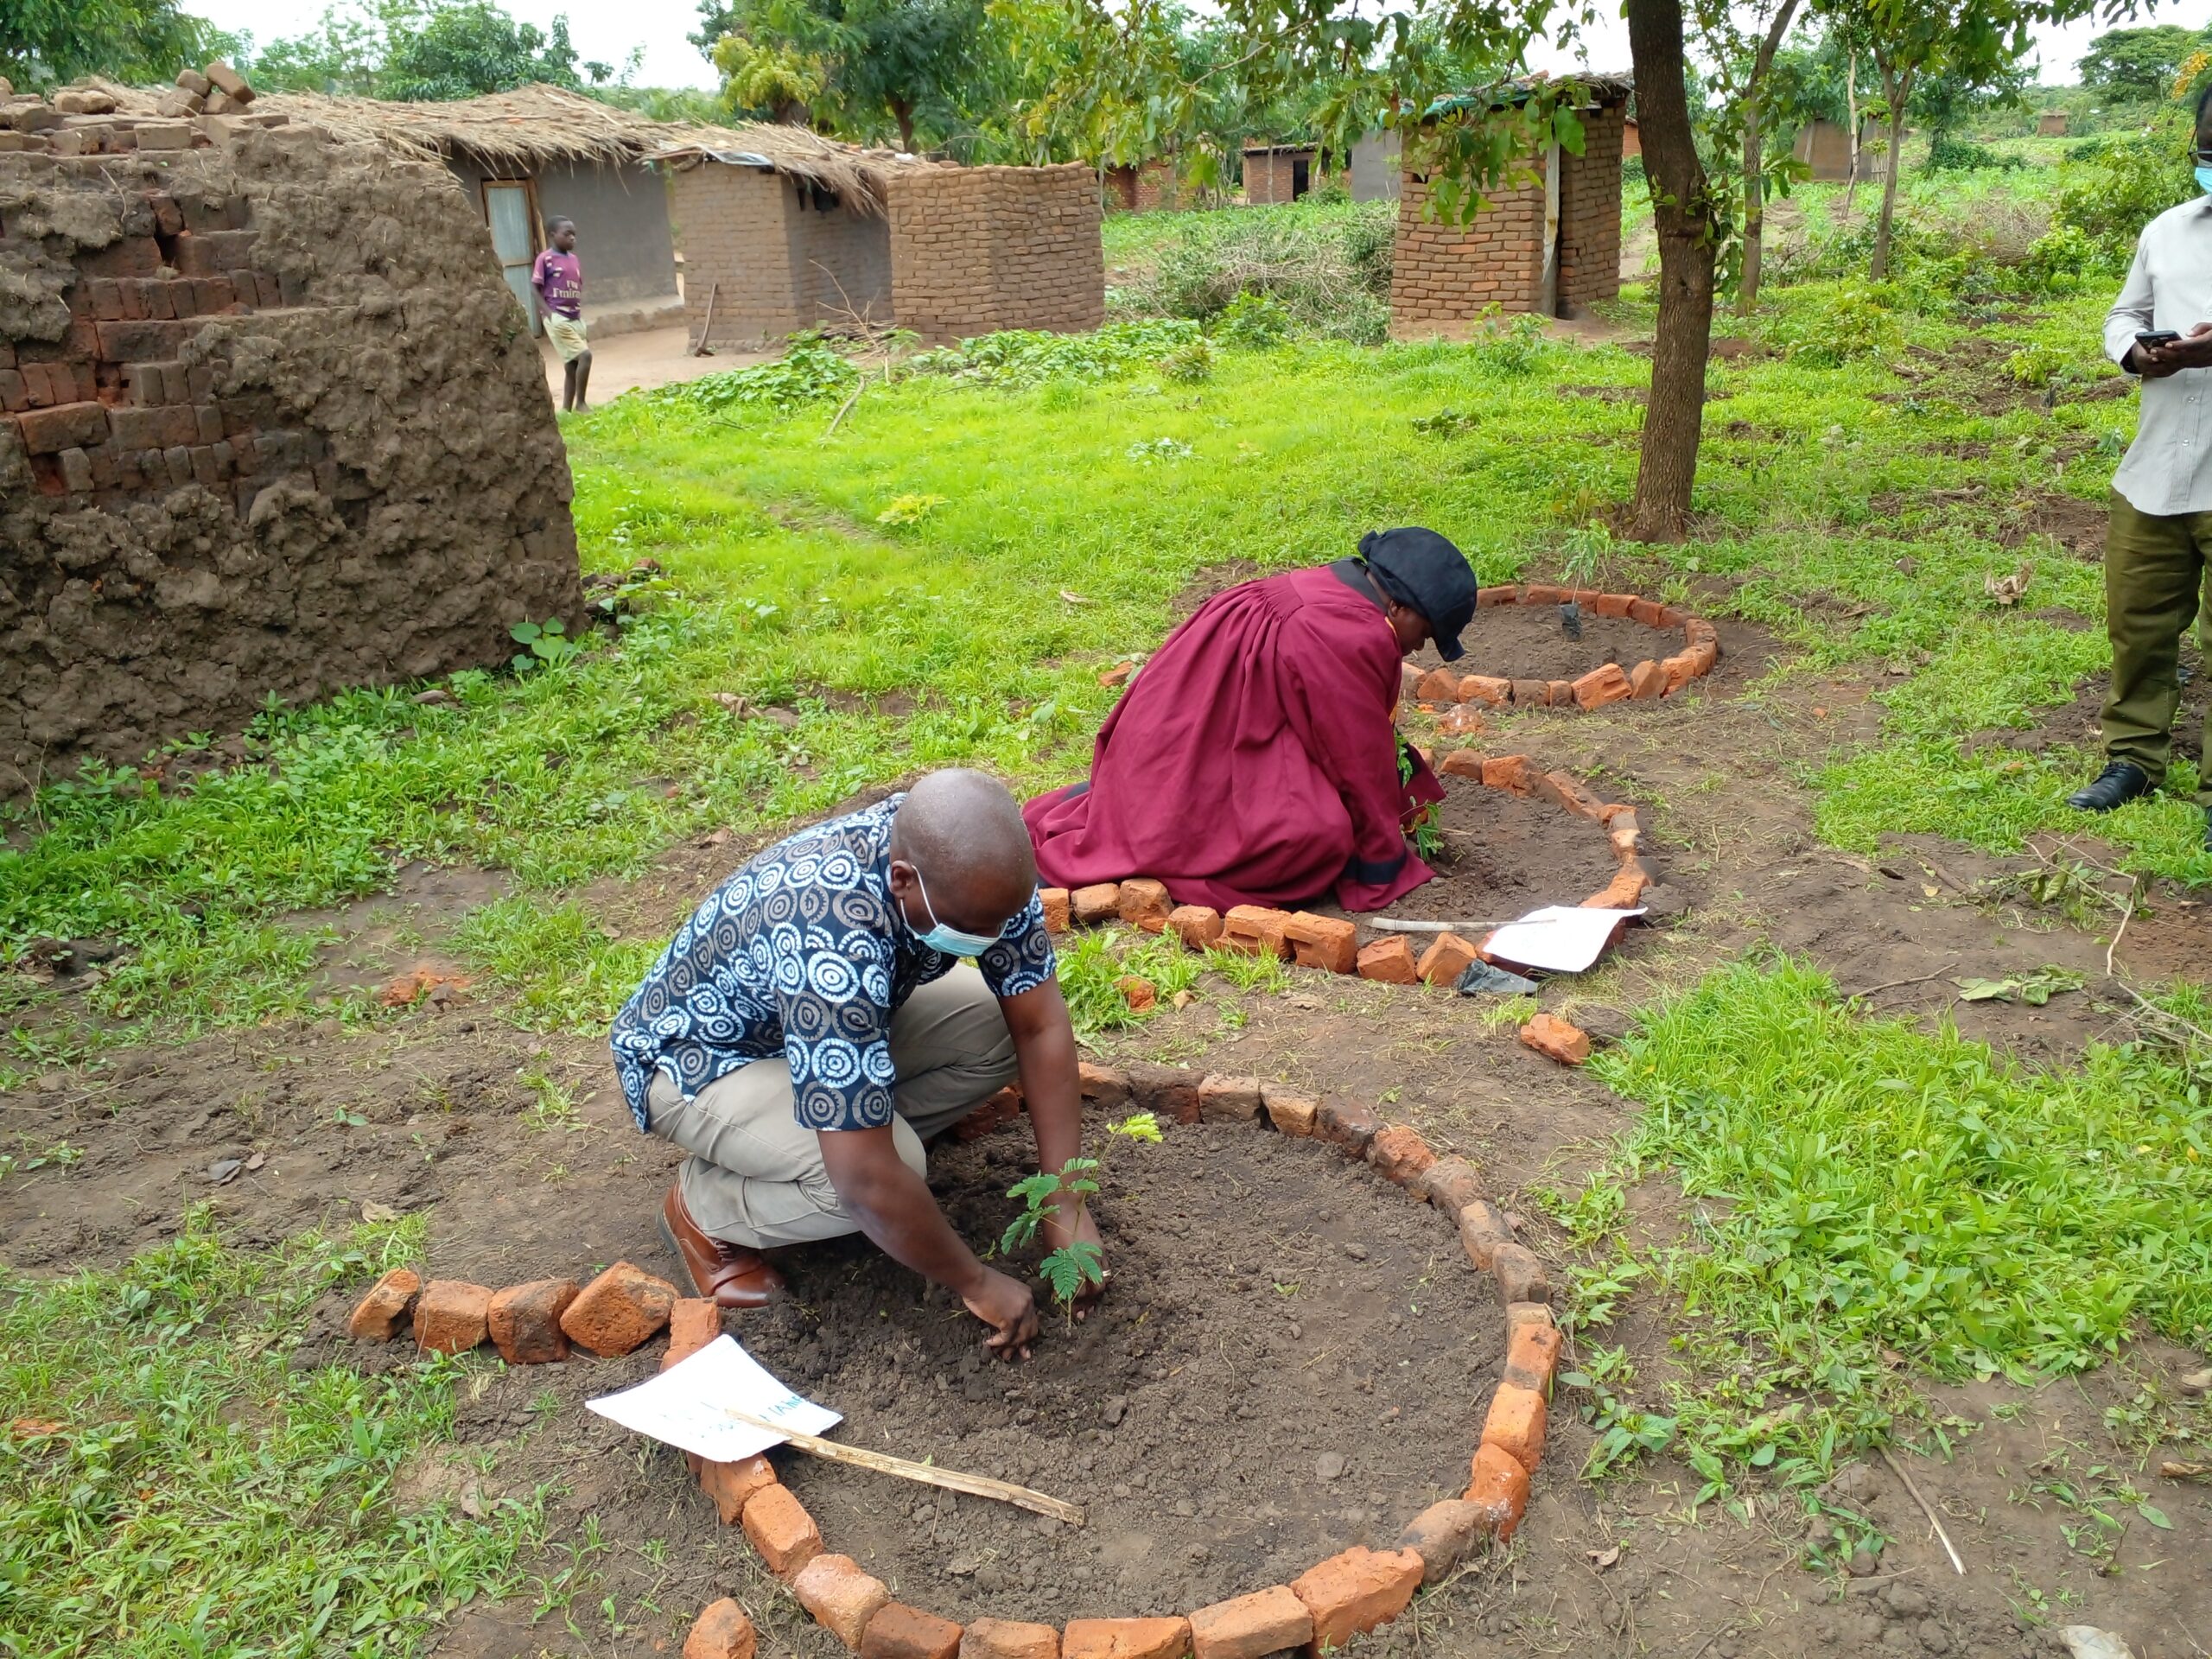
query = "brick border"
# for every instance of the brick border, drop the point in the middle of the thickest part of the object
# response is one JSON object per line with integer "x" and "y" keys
{"x": 1332, "y": 943}
{"x": 1647, "y": 681}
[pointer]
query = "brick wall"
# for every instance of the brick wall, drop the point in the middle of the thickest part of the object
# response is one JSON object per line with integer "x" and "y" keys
{"x": 270, "y": 424}
{"x": 1444, "y": 277}
{"x": 1269, "y": 174}
{"x": 773, "y": 258}
{"x": 978, "y": 249}
{"x": 1156, "y": 187}
{"x": 1590, "y": 212}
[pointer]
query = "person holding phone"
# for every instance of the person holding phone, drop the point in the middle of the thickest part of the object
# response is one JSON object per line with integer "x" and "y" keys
{"x": 2160, "y": 540}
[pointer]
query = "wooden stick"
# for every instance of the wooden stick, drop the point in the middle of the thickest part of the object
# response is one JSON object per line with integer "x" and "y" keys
{"x": 928, "y": 1474}
{"x": 1926, "y": 1508}
{"x": 707, "y": 327}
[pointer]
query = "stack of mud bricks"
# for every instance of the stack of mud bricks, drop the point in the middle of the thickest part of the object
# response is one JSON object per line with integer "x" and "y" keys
{"x": 204, "y": 109}
{"x": 1270, "y": 174}
{"x": 1444, "y": 275}
{"x": 978, "y": 249}
{"x": 1316, "y": 1613}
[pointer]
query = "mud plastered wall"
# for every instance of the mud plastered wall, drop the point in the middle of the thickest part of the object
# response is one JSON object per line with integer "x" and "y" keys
{"x": 976, "y": 248}
{"x": 272, "y": 425}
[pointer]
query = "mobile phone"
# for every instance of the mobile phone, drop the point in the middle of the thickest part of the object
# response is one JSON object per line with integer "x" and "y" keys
{"x": 2158, "y": 337}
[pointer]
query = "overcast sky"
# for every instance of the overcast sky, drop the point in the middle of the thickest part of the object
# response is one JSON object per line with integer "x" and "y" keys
{"x": 609, "y": 32}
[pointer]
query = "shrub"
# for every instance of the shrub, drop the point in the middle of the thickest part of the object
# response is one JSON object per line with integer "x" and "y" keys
{"x": 1191, "y": 362}
{"x": 1025, "y": 357}
{"x": 1846, "y": 324}
{"x": 1948, "y": 155}
{"x": 1328, "y": 269}
{"x": 2128, "y": 182}
{"x": 811, "y": 368}
{"x": 1253, "y": 321}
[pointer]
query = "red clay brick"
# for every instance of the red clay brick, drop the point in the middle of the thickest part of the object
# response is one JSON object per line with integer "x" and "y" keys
{"x": 839, "y": 1597}
{"x": 1532, "y": 1353}
{"x": 1699, "y": 632}
{"x": 1446, "y": 959}
{"x": 1347, "y": 1125}
{"x": 449, "y": 1316}
{"x": 1325, "y": 942}
{"x": 1389, "y": 961}
{"x": 1248, "y": 1627}
{"x": 1556, "y": 1038}
{"x": 722, "y": 1631}
{"x": 1139, "y": 994}
{"x": 68, "y": 426}
{"x": 1532, "y": 694}
{"x": 1450, "y": 1184}
{"x": 995, "y": 1113}
{"x": 1624, "y": 891}
{"x": 1102, "y": 1085}
{"x": 1485, "y": 689}
{"x": 1439, "y": 685}
{"x": 1482, "y": 1230}
{"x": 1400, "y": 1155}
{"x": 1143, "y": 903}
{"x": 377, "y": 1316}
{"x": 1055, "y": 901}
{"x": 1499, "y": 1489}
{"x": 525, "y": 1321}
{"x": 1646, "y": 611}
{"x": 1355, "y": 1591}
{"x": 1166, "y": 1090}
{"x": 1703, "y": 655}
{"x": 1000, "y": 1638}
{"x": 1562, "y": 789}
{"x": 1679, "y": 671}
{"x": 1443, "y": 1535}
{"x": 1462, "y": 763}
{"x": 1256, "y": 931}
{"x": 1291, "y": 1113}
{"x": 1602, "y": 685}
{"x": 1510, "y": 773}
{"x": 1228, "y": 1099}
{"x": 731, "y": 1484}
{"x": 619, "y": 1310}
{"x": 1647, "y": 681}
{"x": 1196, "y": 925}
{"x": 693, "y": 1323}
{"x": 1623, "y": 830}
{"x": 1538, "y": 592}
{"x": 1519, "y": 1275}
{"x": 1516, "y": 1425}
{"x": 1495, "y": 594}
{"x": 902, "y": 1632}
{"x": 1613, "y": 604}
{"x": 1099, "y": 902}
{"x": 779, "y": 1527}
{"x": 1126, "y": 1638}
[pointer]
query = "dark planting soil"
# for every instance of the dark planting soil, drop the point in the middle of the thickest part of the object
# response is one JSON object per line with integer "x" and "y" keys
{"x": 1292, "y": 1360}
{"x": 1503, "y": 856}
{"x": 1525, "y": 642}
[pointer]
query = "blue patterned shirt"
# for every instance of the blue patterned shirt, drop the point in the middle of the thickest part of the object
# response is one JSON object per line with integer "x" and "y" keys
{"x": 803, "y": 954}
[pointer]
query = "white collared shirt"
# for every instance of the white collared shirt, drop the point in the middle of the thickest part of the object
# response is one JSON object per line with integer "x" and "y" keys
{"x": 2169, "y": 466}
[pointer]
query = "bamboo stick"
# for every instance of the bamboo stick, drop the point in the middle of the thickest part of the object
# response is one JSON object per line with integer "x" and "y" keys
{"x": 707, "y": 327}
{"x": 928, "y": 1474}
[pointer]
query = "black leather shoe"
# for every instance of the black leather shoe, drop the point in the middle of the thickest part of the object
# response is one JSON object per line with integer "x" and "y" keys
{"x": 2121, "y": 782}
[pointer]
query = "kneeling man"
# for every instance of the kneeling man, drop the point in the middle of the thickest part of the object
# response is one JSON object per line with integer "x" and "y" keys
{"x": 813, "y": 1024}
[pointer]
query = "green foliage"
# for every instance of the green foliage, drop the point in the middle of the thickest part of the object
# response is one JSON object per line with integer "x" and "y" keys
{"x": 1326, "y": 270}
{"x": 1188, "y": 364}
{"x": 811, "y": 369}
{"x": 2129, "y": 181}
{"x": 44, "y": 44}
{"x": 176, "y": 1484}
{"x": 544, "y": 645}
{"x": 1946, "y": 154}
{"x": 1070, "y": 1268}
{"x": 910, "y": 509}
{"x": 420, "y": 50}
{"x": 1848, "y": 323}
{"x": 1091, "y": 964}
{"x": 1022, "y": 357}
{"x": 1252, "y": 322}
{"x": 2139, "y": 63}
{"x": 567, "y": 972}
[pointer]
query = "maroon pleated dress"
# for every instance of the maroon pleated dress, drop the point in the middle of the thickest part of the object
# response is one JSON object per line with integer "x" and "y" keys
{"x": 1254, "y": 759}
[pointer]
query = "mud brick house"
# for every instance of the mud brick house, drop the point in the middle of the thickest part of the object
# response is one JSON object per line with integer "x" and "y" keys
{"x": 1825, "y": 147}
{"x": 269, "y": 427}
{"x": 785, "y": 229}
{"x": 1550, "y": 245}
{"x": 1149, "y": 186}
{"x": 1278, "y": 173}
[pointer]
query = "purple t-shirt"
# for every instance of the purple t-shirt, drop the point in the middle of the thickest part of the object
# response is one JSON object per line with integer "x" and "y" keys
{"x": 560, "y": 278}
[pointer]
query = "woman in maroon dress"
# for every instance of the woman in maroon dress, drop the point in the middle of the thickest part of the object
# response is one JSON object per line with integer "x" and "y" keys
{"x": 1255, "y": 761}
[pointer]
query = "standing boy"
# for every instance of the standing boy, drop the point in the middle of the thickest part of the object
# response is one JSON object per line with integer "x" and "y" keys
{"x": 558, "y": 276}
{"x": 2157, "y": 550}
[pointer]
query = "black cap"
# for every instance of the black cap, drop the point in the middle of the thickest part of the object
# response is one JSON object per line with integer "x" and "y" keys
{"x": 1420, "y": 568}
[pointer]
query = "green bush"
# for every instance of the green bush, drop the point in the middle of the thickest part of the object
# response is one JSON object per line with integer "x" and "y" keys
{"x": 1948, "y": 155}
{"x": 1327, "y": 268}
{"x": 1025, "y": 357}
{"x": 1254, "y": 322}
{"x": 812, "y": 368}
{"x": 1189, "y": 362}
{"x": 2128, "y": 182}
{"x": 1846, "y": 324}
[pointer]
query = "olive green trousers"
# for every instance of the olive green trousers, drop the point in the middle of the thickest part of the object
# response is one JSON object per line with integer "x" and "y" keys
{"x": 2156, "y": 566}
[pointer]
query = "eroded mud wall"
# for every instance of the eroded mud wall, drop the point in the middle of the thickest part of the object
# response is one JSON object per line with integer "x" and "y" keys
{"x": 272, "y": 425}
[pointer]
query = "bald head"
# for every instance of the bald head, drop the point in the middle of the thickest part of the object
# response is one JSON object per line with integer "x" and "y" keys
{"x": 964, "y": 833}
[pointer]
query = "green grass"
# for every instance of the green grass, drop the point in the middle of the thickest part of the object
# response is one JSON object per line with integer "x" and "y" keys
{"x": 171, "y": 1488}
{"x": 1866, "y": 1195}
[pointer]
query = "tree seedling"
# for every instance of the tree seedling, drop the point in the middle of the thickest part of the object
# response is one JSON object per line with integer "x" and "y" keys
{"x": 1077, "y": 1263}
{"x": 1429, "y": 840}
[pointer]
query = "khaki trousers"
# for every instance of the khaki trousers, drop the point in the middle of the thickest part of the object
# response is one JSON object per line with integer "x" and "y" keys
{"x": 2156, "y": 566}
{"x": 756, "y": 1178}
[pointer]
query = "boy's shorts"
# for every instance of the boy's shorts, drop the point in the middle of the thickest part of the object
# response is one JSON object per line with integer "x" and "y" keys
{"x": 567, "y": 334}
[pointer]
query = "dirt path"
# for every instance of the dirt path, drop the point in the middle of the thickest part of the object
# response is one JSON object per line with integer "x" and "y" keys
{"x": 639, "y": 362}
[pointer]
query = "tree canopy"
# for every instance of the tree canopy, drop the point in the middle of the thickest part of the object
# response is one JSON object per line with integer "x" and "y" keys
{"x": 424, "y": 49}
{"x": 2140, "y": 62}
{"x": 45, "y": 42}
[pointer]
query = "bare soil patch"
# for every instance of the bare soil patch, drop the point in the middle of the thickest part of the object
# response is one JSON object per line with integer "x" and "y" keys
{"x": 1528, "y": 642}
{"x": 1504, "y": 855}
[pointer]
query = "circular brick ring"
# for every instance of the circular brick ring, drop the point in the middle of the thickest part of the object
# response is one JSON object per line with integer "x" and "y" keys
{"x": 1323, "y": 1607}
{"x": 1330, "y": 943}
{"x": 1652, "y": 678}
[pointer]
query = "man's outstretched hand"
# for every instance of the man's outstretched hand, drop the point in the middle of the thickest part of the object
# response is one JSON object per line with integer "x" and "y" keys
{"x": 1006, "y": 1305}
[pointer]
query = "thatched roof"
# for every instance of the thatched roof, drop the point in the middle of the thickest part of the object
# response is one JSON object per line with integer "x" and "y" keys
{"x": 1602, "y": 88}
{"x": 859, "y": 177}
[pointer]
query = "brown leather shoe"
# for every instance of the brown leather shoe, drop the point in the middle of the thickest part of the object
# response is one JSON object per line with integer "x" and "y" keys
{"x": 727, "y": 1274}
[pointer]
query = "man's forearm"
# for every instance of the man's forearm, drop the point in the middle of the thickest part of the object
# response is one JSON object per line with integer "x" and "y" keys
{"x": 895, "y": 1208}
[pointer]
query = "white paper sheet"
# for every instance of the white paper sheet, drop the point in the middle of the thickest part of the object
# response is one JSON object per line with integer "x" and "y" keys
{"x": 1557, "y": 939}
{"x": 685, "y": 1405}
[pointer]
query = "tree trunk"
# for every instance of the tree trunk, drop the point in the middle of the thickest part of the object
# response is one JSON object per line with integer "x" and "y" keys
{"x": 1851, "y": 110}
{"x": 1688, "y": 243}
{"x": 903, "y": 113}
{"x": 1897, "y": 89}
{"x": 1747, "y": 291}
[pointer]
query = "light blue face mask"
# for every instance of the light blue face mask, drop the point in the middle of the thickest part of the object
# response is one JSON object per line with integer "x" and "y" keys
{"x": 949, "y": 940}
{"x": 2204, "y": 179}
